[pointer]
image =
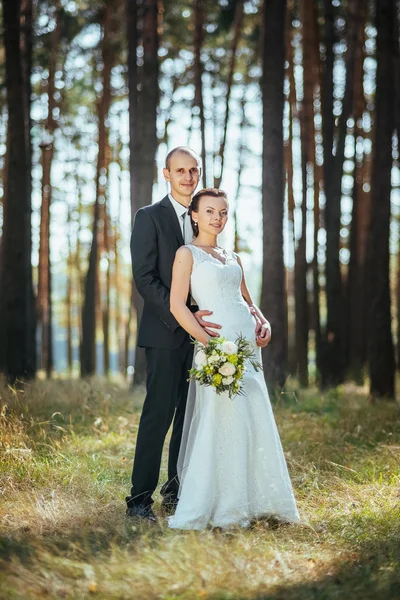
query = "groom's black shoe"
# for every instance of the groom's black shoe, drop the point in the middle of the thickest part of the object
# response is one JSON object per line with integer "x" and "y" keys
{"x": 142, "y": 512}
{"x": 169, "y": 504}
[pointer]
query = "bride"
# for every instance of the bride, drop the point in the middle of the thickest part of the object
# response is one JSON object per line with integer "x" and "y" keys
{"x": 231, "y": 464}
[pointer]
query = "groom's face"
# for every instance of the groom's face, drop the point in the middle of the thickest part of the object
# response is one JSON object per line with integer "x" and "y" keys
{"x": 183, "y": 174}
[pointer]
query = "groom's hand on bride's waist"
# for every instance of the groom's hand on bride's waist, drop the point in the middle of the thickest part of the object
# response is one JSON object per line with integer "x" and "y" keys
{"x": 207, "y": 325}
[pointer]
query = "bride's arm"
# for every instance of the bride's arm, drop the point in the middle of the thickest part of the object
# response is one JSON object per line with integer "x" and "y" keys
{"x": 179, "y": 292}
{"x": 264, "y": 330}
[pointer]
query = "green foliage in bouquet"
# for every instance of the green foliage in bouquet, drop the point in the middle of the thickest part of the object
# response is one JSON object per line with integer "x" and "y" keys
{"x": 221, "y": 364}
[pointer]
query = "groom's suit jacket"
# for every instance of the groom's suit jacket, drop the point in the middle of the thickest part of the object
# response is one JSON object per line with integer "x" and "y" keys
{"x": 156, "y": 237}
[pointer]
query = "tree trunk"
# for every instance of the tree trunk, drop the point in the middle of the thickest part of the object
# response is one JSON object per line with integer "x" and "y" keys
{"x": 142, "y": 125}
{"x": 78, "y": 264}
{"x": 318, "y": 177}
{"x": 334, "y": 369}
{"x": 288, "y": 158}
{"x": 273, "y": 272}
{"x": 17, "y": 306}
{"x": 44, "y": 304}
{"x": 307, "y": 162}
{"x": 26, "y": 39}
{"x": 199, "y": 16}
{"x": 356, "y": 281}
{"x": 117, "y": 275}
{"x": 380, "y": 343}
{"x": 105, "y": 309}
{"x": 396, "y": 78}
{"x": 237, "y": 28}
{"x": 68, "y": 303}
{"x": 91, "y": 300}
{"x": 328, "y": 133}
{"x": 396, "y": 65}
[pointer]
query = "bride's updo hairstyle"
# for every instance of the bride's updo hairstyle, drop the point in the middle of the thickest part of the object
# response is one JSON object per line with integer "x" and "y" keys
{"x": 194, "y": 205}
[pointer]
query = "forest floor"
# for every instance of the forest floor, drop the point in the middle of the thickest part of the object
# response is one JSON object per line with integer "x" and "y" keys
{"x": 66, "y": 450}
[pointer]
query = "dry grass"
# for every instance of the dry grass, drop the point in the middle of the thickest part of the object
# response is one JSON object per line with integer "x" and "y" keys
{"x": 66, "y": 450}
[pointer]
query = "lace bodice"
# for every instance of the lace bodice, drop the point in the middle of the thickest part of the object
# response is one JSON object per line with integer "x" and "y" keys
{"x": 216, "y": 286}
{"x": 213, "y": 282}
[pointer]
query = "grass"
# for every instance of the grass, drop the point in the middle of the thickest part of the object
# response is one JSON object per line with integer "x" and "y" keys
{"x": 66, "y": 450}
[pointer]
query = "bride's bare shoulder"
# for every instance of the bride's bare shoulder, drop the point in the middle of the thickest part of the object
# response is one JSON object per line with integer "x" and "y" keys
{"x": 184, "y": 254}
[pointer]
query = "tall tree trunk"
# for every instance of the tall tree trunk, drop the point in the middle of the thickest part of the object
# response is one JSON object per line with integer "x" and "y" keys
{"x": 241, "y": 160}
{"x": 142, "y": 124}
{"x": 273, "y": 272}
{"x": 79, "y": 293}
{"x": 396, "y": 78}
{"x": 117, "y": 275}
{"x": 307, "y": 161}
{"x": 288, "y": 158}
{"x": 328, "y": 135}
{"x": 396, "y": 65}
{"x": 68, "y": 302}
{"x": 334, "y": 288}
{"x": 199, "y": 17}
{"x": 17, "y": 305}
{"x": 26, "y": 39}
{"x": 105, "y": 309}
{"x": 237, "y": 28}
{"x": 91, "y": 300}
{"x": 44, "y": 304}
{"x": 318, "y": 177}
{"x": 380, "y": 343}
{"x": 356, "y": 283}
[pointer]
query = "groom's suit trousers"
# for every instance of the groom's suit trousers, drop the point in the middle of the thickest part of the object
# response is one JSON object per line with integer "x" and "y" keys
{"x": 167, "y": 388}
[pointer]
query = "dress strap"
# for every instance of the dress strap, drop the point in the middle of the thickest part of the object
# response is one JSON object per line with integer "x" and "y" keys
{"x": 198, "y": 254}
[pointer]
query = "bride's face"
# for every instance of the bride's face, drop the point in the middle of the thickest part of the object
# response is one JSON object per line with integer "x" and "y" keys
{"x": 212, "y": 214}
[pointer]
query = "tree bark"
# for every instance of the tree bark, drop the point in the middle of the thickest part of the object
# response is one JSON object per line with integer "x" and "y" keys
{"x": 142, "y": 124}
{"x": 68, "y": 303}
{"x": 44, "y": 303}
{"x": 199, "y": 16}
{"x": 91, "y": 299}
{"x": 328, "y": 135}
{"x": 356, "y": 281}
{"x": 288, "y": 158}
{"x": 17, "y": 301}
{"x": 335, "y": 350}
{"x": 380, "y": 346}
{"x": 273, "y": 273}
{"x": 237, "y": 29}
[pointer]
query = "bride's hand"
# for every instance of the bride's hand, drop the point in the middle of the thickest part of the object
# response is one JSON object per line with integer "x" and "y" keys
{"x": 263, "y": 337}
{"x": 207, "y": 326}
{"x": 263, "y": 330}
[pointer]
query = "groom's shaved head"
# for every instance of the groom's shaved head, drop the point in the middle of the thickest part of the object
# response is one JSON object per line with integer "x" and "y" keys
{"x": 181, "y": 150}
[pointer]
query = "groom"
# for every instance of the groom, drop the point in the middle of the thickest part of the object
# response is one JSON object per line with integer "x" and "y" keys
{"x": 159, "y": 230}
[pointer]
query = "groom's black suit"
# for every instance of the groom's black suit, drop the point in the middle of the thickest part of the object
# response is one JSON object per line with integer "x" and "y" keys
{"x": 155, "y": 239}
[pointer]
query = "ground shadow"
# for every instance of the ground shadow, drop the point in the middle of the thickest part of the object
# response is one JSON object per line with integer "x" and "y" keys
{"x": 372, "y": 574}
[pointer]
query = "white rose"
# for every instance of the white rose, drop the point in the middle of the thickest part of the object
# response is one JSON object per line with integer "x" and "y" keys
{"x": 229, "y": 348}
{"x": 213, "y": 359}
{"x": 200, "y": 359}
{"x": 227, "y": 369}
{"x": 227, "y": 380}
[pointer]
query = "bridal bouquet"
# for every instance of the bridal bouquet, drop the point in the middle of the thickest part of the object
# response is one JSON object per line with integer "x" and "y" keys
{"x": 221, "y": 364}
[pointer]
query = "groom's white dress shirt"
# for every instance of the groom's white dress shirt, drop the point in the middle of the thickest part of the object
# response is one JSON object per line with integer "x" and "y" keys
{"x": 184, "y": 220}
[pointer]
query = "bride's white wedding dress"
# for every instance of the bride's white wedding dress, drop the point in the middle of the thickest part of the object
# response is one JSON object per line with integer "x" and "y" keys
{"x": 231, "y": 464}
